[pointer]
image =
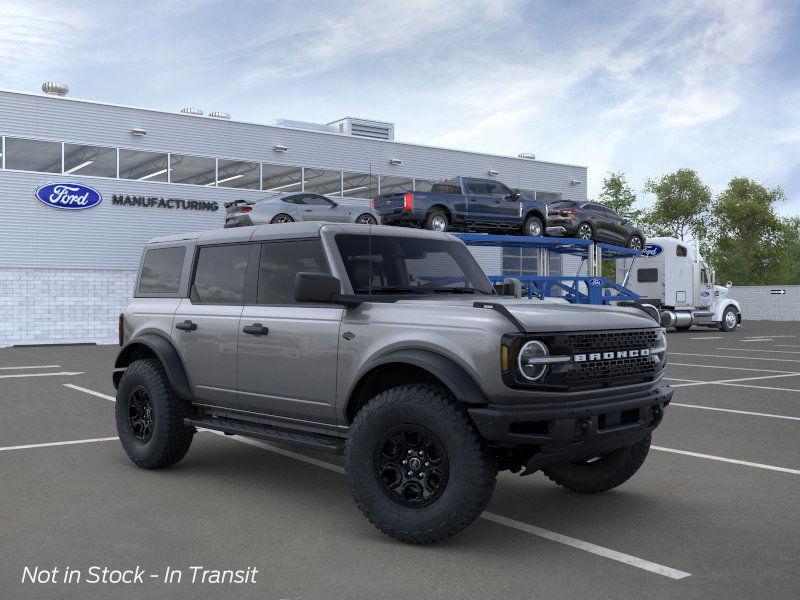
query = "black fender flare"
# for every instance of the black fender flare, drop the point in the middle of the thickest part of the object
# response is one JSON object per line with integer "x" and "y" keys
{"x": 456, "y": 379}
{"x": 165, "y": 352}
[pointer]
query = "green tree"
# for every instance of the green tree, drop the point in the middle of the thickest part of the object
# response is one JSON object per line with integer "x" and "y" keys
{"x": 681, "y": 205}
{"x": 749, "y": 243}
{"x": 618, "y": 195}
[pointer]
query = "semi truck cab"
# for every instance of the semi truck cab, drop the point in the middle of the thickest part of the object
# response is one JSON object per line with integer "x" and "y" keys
{"x": 672, "y": 276}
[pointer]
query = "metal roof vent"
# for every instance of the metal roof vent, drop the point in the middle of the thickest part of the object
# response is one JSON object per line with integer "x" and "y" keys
{"x": 527, "y": 155}
{"x": 192, "y": 111}
{"x": 377, "y": 130}
{"x": 51, "y": 88}
{"x": 219, "y": 115}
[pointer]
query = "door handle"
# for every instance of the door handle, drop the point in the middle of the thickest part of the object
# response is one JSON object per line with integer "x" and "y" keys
{"x": 187, "y": 325}
{"x": 255, "y": 329}
{"x": 308, "y": 209}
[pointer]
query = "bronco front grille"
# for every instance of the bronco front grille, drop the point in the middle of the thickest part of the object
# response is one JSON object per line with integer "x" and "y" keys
{"x": 610, "y": 370}
{"x": 606, "y": 341}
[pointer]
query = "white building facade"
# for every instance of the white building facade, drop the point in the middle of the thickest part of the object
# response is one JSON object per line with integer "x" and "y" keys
{"x": 65, "y": 275}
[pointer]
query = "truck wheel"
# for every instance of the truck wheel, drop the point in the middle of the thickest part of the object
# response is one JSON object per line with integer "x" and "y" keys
{"x": 533, "y": 227}
{"x": 415, "y": 465}
{"x": 729, "y": 320}
{"x": 602, "y": 473}
{"x": 150, "y": 415}
{"x": 437, "y": 220}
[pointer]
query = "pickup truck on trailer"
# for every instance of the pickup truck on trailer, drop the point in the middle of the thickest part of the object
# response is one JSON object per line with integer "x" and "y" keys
{"x": 465, "y": 204}
{"x": 348, "y": 339}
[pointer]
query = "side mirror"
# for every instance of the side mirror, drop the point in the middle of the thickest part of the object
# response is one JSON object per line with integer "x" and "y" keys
{"x": 334, "y": 204}
{"x": 316, "y": 287}
{"x": 729, "y": 285}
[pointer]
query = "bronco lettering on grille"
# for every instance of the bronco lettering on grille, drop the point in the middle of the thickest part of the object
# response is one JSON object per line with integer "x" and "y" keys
{"x": 610, "y": 355}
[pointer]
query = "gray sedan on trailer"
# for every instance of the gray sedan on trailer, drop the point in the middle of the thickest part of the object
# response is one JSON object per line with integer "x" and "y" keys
{"x": 287, "y": 207}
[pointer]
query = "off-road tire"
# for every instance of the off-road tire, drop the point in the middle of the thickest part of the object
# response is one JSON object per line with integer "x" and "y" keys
{"x": 432, "y": 216}
{"x": 472, "y": 471}
{"x": 170, "y": 438}
{"x": 529, "y": 223}
{"x": 609, "y": 471}
{"x": 282, "y": 218}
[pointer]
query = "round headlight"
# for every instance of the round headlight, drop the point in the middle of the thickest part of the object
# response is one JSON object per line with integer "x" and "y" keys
{"x": 526, "y": 360}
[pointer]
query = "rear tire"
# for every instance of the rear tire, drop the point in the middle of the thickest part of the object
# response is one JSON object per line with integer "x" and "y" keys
{"x": 729, "y": 320}
{"x": 415, "y": 423}
{"x": 584, "y": 232}
{"x": 635, "y": 243}
{"x": 601, "y": 474}
{"x": 366, "y": 219}
{"x": 437, "y": 220}
{"x": 533, "y": 227}
{"x": 282, "y": 218}
{"x": 149, "y": 416}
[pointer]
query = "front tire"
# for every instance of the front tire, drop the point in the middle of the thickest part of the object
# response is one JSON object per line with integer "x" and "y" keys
{"x": 448, "y": 475}
{"x": 729, "y": 320}
{"x": 533, "y": 227}
{"x": 584, "y": 232}
{"x": 602, "y": 473}
{"x": 149, "y": 417}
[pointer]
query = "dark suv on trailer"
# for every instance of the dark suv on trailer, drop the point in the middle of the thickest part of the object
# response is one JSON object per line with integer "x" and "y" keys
{"x": 593, "y": 221}
{"x": 388, "y": 345}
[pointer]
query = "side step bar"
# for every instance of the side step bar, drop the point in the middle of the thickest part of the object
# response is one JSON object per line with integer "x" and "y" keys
{"x": 324, "y": 443}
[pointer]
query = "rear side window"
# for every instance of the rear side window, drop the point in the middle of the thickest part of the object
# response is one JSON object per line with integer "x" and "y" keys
{"x": 219, "y": 274}
{"x": 446, "y": 187}
{"x": 280, "y": 262}
{"x": 161, "y": 271}
{"x": 647, "y": 275}
{"x": 681, "y": 251}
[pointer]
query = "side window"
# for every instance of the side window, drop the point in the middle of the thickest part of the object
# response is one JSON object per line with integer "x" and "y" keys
{"x": 647, "y": 275}
{"x": 219, "y": 274}
{"x": 495, "y": 188}
{"x": 294, "y": 199}
{"x": 681, "y": 250}
{"x": 161, "y": 271}
{"x": 446, "y": 187}
{"x": 315, "y": 200}
{"x": 704, "y": 276}
{"x": 476, "y": 186}
{"x": 280, "y": 262}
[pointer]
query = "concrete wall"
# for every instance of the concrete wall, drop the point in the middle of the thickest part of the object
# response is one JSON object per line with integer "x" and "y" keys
{"x": 759, "y": 304}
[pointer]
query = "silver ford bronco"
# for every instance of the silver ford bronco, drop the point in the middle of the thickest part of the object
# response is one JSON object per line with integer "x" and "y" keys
{"x": 389, "y": 346}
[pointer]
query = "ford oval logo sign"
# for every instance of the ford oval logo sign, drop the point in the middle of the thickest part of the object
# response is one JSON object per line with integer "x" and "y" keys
{"x": 68, "y": 196}
{"x": 652, "y": 250}
{"x": 705, "y": 293}
{"x": 596, "y": 281}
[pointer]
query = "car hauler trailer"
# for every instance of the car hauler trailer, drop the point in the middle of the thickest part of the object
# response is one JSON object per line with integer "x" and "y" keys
{"x": 672, "y": 276}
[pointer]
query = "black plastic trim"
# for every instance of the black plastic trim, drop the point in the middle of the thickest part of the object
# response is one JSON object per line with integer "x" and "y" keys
{"x": 165, "y": 352}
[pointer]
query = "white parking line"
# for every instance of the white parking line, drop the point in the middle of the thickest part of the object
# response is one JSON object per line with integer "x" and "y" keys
{"x": 16, "y": 375}
{"x": 787, "y": 346}
{"x": 708, "y": 337}
{"x": 672, "y": 364}
{"x": 92, "y": 392}
{"x": 761, "y": 387}
{"x": 738, "y": 412}
{"x": 67, "y": 443}
{"x": 518, "y": 525}
{"x": 758, "y": 340}
{"x": 759, "y": 350}
{"x": 739, "y": 357}
{"x": 731, "y": 381}
{"x": 727, "y": 460}
{"x": 31, "y": 367}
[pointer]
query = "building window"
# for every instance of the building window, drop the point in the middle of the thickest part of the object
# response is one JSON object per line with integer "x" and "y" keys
{"x": 396, "y": 185}
{"x": 280, "y": 178}
{"x": 143, "y": 166}
{"x": 96, "y": 161}
{"x": 33, "y": 155}
{"x": 237, "y": 174}
{"x": 360, "y": 185}
{"x": 322, "y": 181}
{"x": 194, "y": 170}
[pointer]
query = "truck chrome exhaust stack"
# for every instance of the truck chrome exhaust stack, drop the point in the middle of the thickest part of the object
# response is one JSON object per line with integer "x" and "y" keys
{"x": 668, "y": 318}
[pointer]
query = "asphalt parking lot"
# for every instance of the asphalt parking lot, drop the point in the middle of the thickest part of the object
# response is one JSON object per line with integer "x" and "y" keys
{"x": 714, "y": 512}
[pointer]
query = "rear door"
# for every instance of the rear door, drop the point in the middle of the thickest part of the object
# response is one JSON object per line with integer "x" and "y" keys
{"x": 288, "y": 351}
{"x": 603, "y": 225}
{"x": 206, "y": 325}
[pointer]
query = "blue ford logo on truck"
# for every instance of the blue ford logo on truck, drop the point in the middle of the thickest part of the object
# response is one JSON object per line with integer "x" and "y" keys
{"x": 68, "y": 196}
{"x": 652, "y": 250}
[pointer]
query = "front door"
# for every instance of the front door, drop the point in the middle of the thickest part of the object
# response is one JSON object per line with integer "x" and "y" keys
{"x": 206, "y": 325}
{"x": 288, "y": 351}
{"x": 319, "y": 208}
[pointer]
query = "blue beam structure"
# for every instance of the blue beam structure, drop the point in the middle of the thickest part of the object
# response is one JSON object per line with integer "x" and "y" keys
{"x": 599, "y": 290}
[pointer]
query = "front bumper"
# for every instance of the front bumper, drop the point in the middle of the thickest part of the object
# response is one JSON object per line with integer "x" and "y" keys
{"x": 560, "y": 433}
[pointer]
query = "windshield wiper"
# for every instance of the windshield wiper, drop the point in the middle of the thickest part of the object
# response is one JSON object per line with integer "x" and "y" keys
{"x": 390, "y": 289}
{"x": 458, "y": 290}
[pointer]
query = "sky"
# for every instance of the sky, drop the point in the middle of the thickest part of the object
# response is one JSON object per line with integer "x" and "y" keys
{"x": 639, "y": 87}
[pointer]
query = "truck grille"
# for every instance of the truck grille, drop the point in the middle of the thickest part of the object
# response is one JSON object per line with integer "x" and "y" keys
{"x": 611, "y": 370}
{"x": 580, "y": 343}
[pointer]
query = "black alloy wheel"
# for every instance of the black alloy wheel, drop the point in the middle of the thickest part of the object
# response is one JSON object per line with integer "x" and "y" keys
{"x": 635, "y": 243}
{"x": 367, "y": 220}
{"x": 282, "y": 218}
{"x": 140, "y": 414}
{"x": 411, "y": 465}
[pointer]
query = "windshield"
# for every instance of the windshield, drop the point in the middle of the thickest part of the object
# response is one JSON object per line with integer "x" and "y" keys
{"x": 388, "y": 264}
